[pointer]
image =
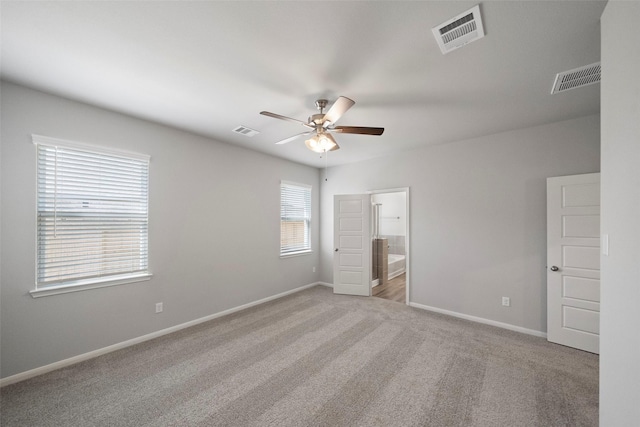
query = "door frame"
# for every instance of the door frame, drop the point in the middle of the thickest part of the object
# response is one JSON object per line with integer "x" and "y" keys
{"x": 407, "y": 239}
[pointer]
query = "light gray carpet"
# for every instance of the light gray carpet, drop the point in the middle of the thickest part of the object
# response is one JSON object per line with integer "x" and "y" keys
{"x": 317, "y": 359}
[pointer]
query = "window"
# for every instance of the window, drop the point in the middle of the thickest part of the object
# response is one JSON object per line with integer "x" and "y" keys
{"x": 295, "y": 218}
{"x": 92, "y": 218}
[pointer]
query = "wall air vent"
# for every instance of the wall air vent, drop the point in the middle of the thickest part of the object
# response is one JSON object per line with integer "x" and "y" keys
{"x": 243, "y": 130}
{"x": 460, "y": 30}
{"x": 578, "y": 77}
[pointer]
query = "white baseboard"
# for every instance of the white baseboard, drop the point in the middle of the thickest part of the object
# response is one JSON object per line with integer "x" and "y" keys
{"x": 328, "y": 285}
{"x": 396, "y": 274}
{"x": 481, "y": 320}
{"x": 99, "y": 352}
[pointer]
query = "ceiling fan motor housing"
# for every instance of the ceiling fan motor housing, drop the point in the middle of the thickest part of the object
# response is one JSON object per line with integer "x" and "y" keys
{"x": 317, "y": 119}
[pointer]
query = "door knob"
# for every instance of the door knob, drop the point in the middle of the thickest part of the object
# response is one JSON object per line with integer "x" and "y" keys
{"x": 554, "y": 268}
{"x": 336, "y": 250}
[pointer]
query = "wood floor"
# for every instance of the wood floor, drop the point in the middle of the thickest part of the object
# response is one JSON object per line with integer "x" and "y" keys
{"x": 393, "y": 290}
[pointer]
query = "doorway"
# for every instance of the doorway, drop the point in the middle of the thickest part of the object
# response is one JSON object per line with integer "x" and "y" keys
{"x": 390, "y": 244}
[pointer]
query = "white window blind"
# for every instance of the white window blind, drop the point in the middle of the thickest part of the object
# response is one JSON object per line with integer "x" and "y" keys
{"x": 92, "y": 222}
{"x": 295, "y": 218}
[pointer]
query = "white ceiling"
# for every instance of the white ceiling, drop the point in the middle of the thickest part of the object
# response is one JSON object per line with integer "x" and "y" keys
{"x": 208, "y": 67}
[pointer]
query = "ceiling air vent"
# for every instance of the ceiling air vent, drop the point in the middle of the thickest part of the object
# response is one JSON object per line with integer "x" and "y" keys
{"x": 457, "y": 32}
{"x": 243, "y": 130}
{"x": 578, "y": 77}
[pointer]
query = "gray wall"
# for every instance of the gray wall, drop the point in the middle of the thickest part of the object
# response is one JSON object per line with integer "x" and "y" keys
{"x": 477, "y": 215}
{"x": 214, "y": 232}
{"x": 620, "y": 294}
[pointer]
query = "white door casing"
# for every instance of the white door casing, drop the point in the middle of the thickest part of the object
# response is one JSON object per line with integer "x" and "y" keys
{"x": 573, "y": 261}
{"x": 352, "y": 244}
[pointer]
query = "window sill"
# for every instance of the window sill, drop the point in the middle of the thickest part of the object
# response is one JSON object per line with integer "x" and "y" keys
{"x": 294, "y": 254}
{"x": 85, "y": 285}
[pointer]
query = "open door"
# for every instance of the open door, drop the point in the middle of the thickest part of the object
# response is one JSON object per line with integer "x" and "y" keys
{"x": 352, "y": 244}
{"x": 573, "y": 261}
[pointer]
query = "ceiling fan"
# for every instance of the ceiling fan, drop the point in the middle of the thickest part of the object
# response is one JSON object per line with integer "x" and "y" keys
{"x": 323, "y": 125}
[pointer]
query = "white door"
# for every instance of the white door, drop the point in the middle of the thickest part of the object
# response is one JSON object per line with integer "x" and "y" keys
{"x": 573, "y": 261}
{"x": 352, "y": 244}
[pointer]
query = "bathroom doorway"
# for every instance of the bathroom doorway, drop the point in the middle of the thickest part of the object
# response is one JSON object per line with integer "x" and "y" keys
{"x": 390, "y": 244}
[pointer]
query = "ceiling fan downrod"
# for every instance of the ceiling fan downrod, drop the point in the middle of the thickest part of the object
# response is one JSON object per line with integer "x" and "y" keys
{"x": 318, "y": 119}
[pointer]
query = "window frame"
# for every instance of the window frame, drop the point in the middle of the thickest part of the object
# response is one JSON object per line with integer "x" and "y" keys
{"x": 85, "y": 283}
{"x": 307, "y": 217}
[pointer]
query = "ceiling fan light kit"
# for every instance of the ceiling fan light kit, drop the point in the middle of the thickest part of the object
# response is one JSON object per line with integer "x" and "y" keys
{"x": 321, "y": 143}
{"x": 324, "y": 125}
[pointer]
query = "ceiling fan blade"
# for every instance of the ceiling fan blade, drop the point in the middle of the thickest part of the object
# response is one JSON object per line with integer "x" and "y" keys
{"x": 289, "y": 119}
{"x": 358, "y": 130}
{"x": 291, "y": 138}
{"x": 338, "y": 108}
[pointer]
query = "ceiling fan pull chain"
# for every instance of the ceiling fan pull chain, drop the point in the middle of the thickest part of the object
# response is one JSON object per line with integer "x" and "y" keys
{"x": 326, "y": 164}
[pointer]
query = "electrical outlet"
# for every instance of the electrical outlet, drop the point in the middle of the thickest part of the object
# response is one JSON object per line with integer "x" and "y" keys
{"x": 159, "y": 307}
{"x": 314, "y": 269}
{"x": 506, "y": 301}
